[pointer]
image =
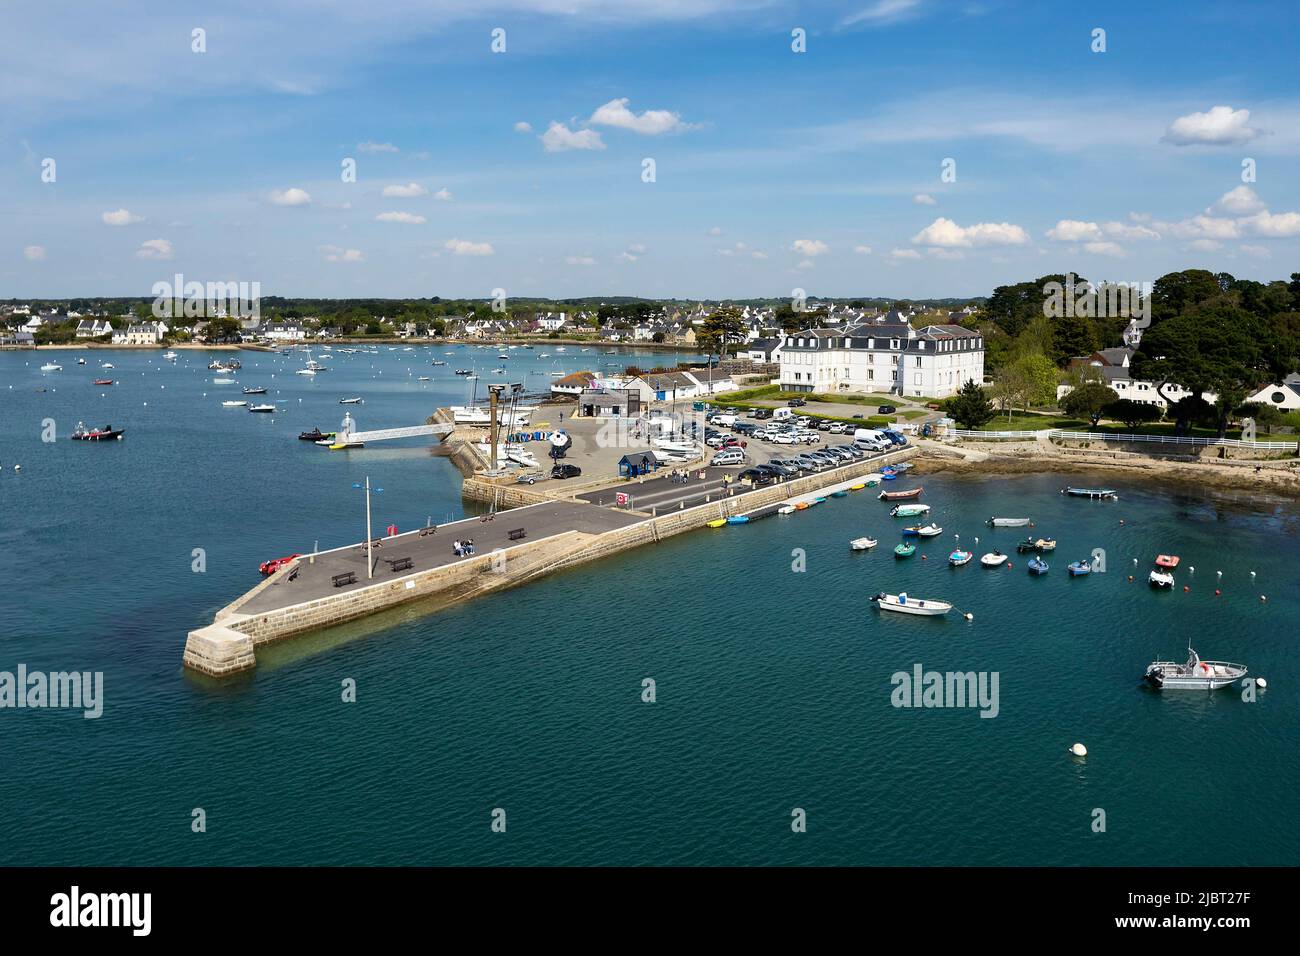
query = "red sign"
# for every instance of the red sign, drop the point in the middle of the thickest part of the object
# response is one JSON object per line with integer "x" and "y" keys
{"x": 620, "y": 498}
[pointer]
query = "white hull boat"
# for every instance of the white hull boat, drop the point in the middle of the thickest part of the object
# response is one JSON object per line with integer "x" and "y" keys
{"x": 51, "y": 367}
{"x": 1196, "y": 674}
{"x": 223, "y": 381}
{"x": 261, "y": 408}
{"x": 1008, "y": 522}
{"x": 233, "y": 404}
{"x": 786, "y": 510}
{"x": 994, "y": 559}
{"x": 1160, "y": 579}
{"x": 860, "y": 544}
{"x": 906, "y": 605}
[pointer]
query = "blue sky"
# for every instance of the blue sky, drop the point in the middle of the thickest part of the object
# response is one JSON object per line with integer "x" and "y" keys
{"x": 774, "y": 170}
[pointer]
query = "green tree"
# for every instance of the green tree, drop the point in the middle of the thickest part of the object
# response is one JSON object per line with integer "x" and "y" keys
{"x": 1133, "y": 413}
{"x": 970, "y": 408}
{"x": 1089, "y": 401}
{"x": 723, "y": 326}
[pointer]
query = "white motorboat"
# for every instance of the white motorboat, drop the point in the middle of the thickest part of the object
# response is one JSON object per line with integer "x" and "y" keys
{"x": 171, "y": 356}
{"x": 930, "y": 531}
{"x": 223, "y": 381}
{"x": 1008, "y": 522}
{"x": 81, "y": 361}
{"x": 673, "y": 446}
{"x": 106, "y": 365}
{"x": 906, "y": 605}
{"x": 233, "y": 404}
{"x": 994, "y": 559}
{"x": 959, "y": 557}
{"x": 305, "y": 371}
{"x": 786, "y": 510}
{"x": 1196, "y": 674}
{"x": 1160, "y": 579}
{"x": 51, "y": 367}
{"x": 350, "y": 401}
{"x": 860, "y": 544}
{"x": 261, "y": 408}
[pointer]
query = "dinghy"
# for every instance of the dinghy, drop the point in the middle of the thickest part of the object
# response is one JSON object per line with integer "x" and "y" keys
{"x": 1046, "y": 544}
{"x": 1167, "y": 560}
{"x": 1160, "y": 579}
{"x": 1100, "y": 493}
{"x": 908, "y": 511}
{"x": 904, "y": 550}
{"x": 994, "y": 559}
{"x": 959, "y": 557}
{"x": 899, "y": 495}
{"x": 862, "y": 544}
{"x": 1079, "y": 568}
{"x": 1008, "y": 522}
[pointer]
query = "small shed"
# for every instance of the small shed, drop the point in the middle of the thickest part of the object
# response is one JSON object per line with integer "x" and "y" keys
{"x": 637, "y": 463}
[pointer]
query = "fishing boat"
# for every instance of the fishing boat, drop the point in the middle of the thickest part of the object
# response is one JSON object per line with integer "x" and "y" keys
{"x": 960, "y": 557}
{"x": 1196, "y": 674}
{"x": 1167, "y": 560}
{"x": 261, "y": 408}
{"x": 1037, "y": 565}
{"x": 1008, "y": 522}
{"x": 233, "y": 404}
{"x": 1160, "y": 579}
{"x": 439, "y": 362}
{"x": 931, "y": 530}
{"x": 1100, "y": 493}
{"x": 1078, "y": 569}
{"x": 994, "y": 559}
{"x": 906, "y": 605}
{"x": 316, "y": 435}
{"x": 862, "y": 544}
{"x": 908, "y": 511}
{"x": 107, "y": 433}
{"x": 350, "y": 401}
{"x": 899, "y": 495}
{"x": 51, "y": 367}
{"x": 904, "y": 550}
{"x": 103, "y": 381}
{"x": 1026, "y": 545}
{"x": 305, "y": 371}
{"x": 256, "y": 390}
{"x": 1045, "y": 544}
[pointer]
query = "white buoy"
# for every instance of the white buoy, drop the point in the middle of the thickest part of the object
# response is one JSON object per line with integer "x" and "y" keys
{"x": 18, "y": 467}
{"x": 1218, "y": 574}
{"x": 1079, "y": 750}
{"x": 1135, "y": 561}
{"x": 1192, "y": 569}
{"x": 1261, "y": 683}
{"x": 969, "y": 616}
{"x": 1252, "y": 574}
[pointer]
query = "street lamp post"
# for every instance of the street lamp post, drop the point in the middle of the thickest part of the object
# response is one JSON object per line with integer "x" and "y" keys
{"x": 370, "y": 541}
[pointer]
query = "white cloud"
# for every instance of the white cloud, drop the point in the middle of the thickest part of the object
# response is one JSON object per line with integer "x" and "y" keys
{"x": 810, "y": 247}
{"x": 904, "y": 254}
{"x": 406, "y": 217}
{"x": 290, "y": 197}
{"x": 883, "y": 12}
{"x": 409, "y": 191}
{"x": 636, "y": 248}
{"x": 1104, "y": 249}
{"x": 1241, "y": 201}
{"x": 580, "y": 260}
{"x": 1203, "y": 227}
{"x": 34, "y": 253}
{"x": 946, "y": 233}
{"x": 925, "y": 199}
{"x": 463, "y": 247}
{"x": 649, "y": 123}
{"x": 372, "y": 147}
{"x": 1258, "y": 252}
{"x": 154, "y": 249}
{"x": 715, "y": 231}
{"x": 862, "y": 250}
{"x": 1075, "y": 230}
{"x": 558, "y": 138}
{"x": 1221, "y": 126}
{"x": 443, "y": 194}
{"x": 1280, "y": 226}
{"x": 806, "y": 265}
{"x": 523, "y": 127}
{"x": 120, "y": 217}
{"x": 1204, "y": 245}
{"x": 757, "y": 255}
{"x": 627, "y": 257}
{"x": 335, "y": 254}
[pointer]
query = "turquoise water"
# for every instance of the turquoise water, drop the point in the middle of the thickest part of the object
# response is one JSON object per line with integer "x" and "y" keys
{"x": 773, "y": 686}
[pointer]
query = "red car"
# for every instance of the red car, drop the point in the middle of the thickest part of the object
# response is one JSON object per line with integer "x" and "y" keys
{"x": 270, "y": 567}
{"x": 733, "y": 443}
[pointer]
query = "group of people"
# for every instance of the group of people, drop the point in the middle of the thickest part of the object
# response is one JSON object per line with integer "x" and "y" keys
{"x": 679, "y": 476}
{"x": 463, "y": 548}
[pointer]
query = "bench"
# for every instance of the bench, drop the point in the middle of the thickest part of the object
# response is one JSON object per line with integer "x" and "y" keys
{"x": 347, "y": 577}
{"x": 516, "y": 534}
{"x": 398, "y": 564}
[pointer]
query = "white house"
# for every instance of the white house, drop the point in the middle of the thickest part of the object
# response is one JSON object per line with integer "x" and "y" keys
{"x": 142, "y": 333}
{"x": 676, "y": 385}
{"x": 284, "y": 332}
{"x": 883, "y": 356}
{"x": 552, "y": 321}
{"x": 1114, "y": 366}
{"x": 91, "y": 328}
{"x": 1285, "y": 395}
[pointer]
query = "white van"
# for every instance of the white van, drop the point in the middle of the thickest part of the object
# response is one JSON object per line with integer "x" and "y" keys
{"x": 728, "y": 456}
{"x": 781, "y": 414}
{"x": 866, "y": 434}
{"x": 723, "y": 421}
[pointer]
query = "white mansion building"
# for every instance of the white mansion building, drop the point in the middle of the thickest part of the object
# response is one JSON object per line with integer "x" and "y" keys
{"x": 888, "y": 356}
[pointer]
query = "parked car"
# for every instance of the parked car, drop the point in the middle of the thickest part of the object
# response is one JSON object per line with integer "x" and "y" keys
{"x": 796, "y": 402}
{"x": 836, "y": 428}
{"x": 783, "y": 438}
{"x": 898, "y": 438}
{"x": 729, "y": 456}
{"x": 857, "y": 415}
{"x": 810, "y": 438}
{"x": 826, "y": 425}
{"x": 565, "y": 471}
{"x": 755, "y": 476}
{"x": 714, "y": 441}
{"x": 731, "y": 441}
{"x": 527, "y": 477}
{"x": 803, "y": 421}
{"x": 886, "y": 410}
{"x": 744, "y": 428}
{"x": 790, "y": 465}
{"x": 808, "y": 463}
{"x": 763, "y": 413}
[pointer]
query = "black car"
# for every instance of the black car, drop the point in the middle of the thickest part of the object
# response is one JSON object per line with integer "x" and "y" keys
{"x": 566, "y": 471}
{"x": 756, "y": 476}
{"x": 796, "y": 402}
{"x": 886, "y": 410}
{"x": 763, "y": 413}
{"x": 856, "y": 415}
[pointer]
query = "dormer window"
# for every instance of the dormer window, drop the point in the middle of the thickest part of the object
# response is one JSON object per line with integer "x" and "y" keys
{"x": 893, "y": 343}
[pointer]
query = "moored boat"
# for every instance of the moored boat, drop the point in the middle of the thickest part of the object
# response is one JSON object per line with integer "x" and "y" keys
{"x": 255, "y": 390}
{"x": 261, "y": 408}
{"x": 786, "y": 510}
{"x": 1008, "y": 522}
{"x": 51, "y": 367}
{"x": 1026, "y": 545}
{"x": 1037, "y": 565}
{"x": 904, "y": 550}
{"x": 1160, "y": 579}
{"x": 1079, "y": 568}
{"x": 1101, "y": 493}
{"x": 862, "y": 544}
{"x": 350, "y": 401}
{"x": 899, "y": 495}
{"x": 715, "y": 523}
{"x": 908, "y": 511}
{"x": 103, "y": 381}
{"x": 107, "y": 433}
{"x": 1167, "y": 560}
{"x": 233, "y": 404}
{"x": 1046, "y": 544}
{"x": 959, "y": 557}
{"x": 315, "y": 435}
{"x": 1196, "y": 674}
{"x": 905, "y": 605}
{"x": 994, "y": 559}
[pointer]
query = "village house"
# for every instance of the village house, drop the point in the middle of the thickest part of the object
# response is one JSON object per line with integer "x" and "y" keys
{"x": 93, "y": 328}
{"x": 1113, "y": 364}
{"x": 574, "y": 384}
{"x": 142, "y": 333}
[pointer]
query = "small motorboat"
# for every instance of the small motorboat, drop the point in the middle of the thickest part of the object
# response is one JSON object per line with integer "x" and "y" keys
{"x": 906, "y": 605}
{"x": 233, "y": 404}
{"x": 715, "y": 523}
{"x": 170, "y": 356}
{"x": 931, "y": 530}
{"x": 1100, "y": 493}
{"x": 316, "y": 435}
{"x": 256, "y": 390}
{"x": 994, "y": 559}
{"x": 223, "y": 381}
{"x": 345, "y": 445}
{"x": 1037, "y": 565}
{"x": 1160, "y": 579}
{"x": 464, "y": 371}
{"x": 1167, "y": 561}
{"x": 270, "y": 567}
{"x": 261, "y": 408}
{"x": 103, "y": 381}
{"x": 908, "y": 511}
{"x": 857, "y": 487}
{"x": 1078, "y": 569}
{"x": 51, "y": 367}
{"x": 1027, "y": 545}
{"x": 960, "y": 557}
{"x": 350, "y": 401}
{"x": 81, "y": 361}
{"x": 841, "y": 493}
{"x": 439, "y": 362}
{"x": 899, "y": 495}
{"x": 107, "y": 433}
{"x": 1008, "y": 522}
{"x": 1196, "y": 674}
{"x": 106, "y": 365}
{"x": 786, "y": 510}
{"x": 1046, "y": 544}
{"x": 862, "y": 544}
{"x": 904, "y": 550}
{"x": 738, "y": 519}
{"x": 423, "y": 378}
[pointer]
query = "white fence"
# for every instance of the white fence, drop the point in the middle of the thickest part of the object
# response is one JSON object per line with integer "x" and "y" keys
{"x": 1120, "y": 436}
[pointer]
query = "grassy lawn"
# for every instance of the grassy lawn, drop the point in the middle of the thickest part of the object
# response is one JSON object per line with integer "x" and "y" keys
{"x": 1021, "y": 421}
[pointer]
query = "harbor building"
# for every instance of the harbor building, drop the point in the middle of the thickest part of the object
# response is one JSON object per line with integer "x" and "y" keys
{"x": 882, "y": 357}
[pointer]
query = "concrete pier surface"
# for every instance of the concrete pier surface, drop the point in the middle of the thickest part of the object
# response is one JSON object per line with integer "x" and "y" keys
{"x": 558, "y": 532}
